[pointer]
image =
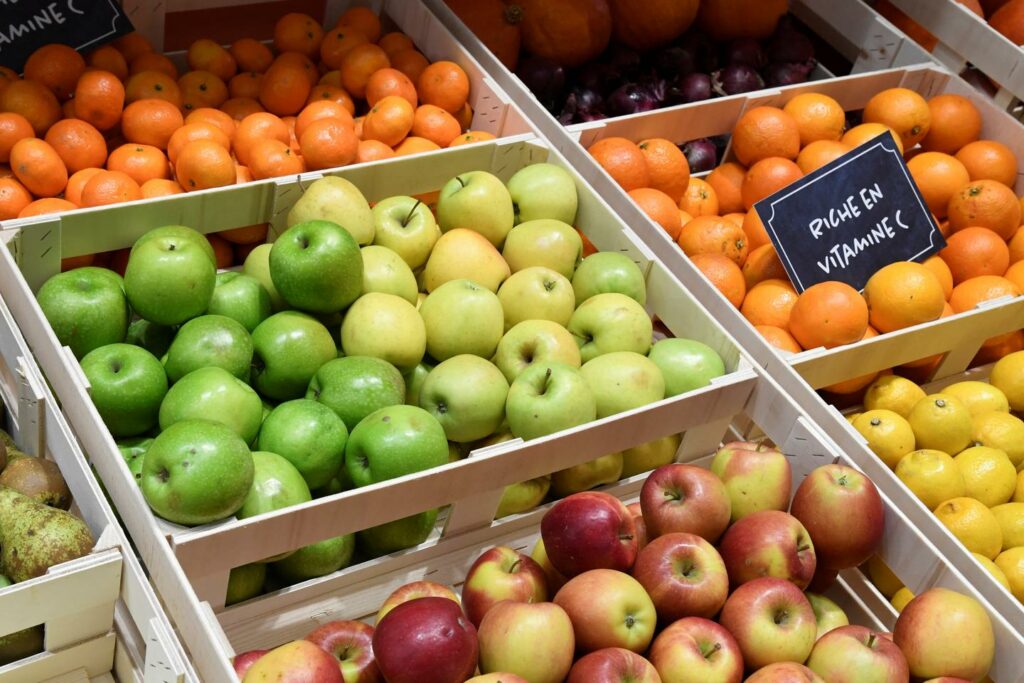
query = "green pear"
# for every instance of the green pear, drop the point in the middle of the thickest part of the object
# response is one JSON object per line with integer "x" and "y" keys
{"x": 335, "y": 199}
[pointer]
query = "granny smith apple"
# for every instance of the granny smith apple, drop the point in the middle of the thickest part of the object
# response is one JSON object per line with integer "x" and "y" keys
{"x": 210, "y": 341}
{"x": 257, "y": 266}
{"x": 536, "y": 293}
{"x": 355, "y": 386}
{"x": 169, "y": 279}
{"x": 611, "y": 322}
{"x": 240, "y": 297}
{"x": 544, "y": 242}
{"x": 86, "y": 307}
{"x": 623, "y": 380}
{"x": 535, "y": 341}
{"x": 288, "y": 348}
{"x": 467, "y": 396}
{"x": 400, "y": 534}
{"x": 318, "y": 559}
{"x": 406, "y": 226}
{"x": 276, "y": 485}
{"x": 548, "y": 397}
{"x": 309, "y": 435}
{"x": 316, "y": 266}
{"x": 154, "y": 338}
{"x": 478, "y": 201}
{"x": 214, "y": 394}
{"x": 337, "y": 200}
{"x": 127, "y": 384}
{"x": 384, "y": 326}
{"x": 197, "y": 472}
{"x": 686, "y": 364}
{"x": 133, "y": 451}
{"x": 180, "y": 232}
{"x": 460, "y": 317}
{"x": 385, "y": 271}
{"x": 609, "y": 271}
{"x": 462, "y": 254}
{"x": 543, "y": 191}
{"x": 393, "y": 442}
{"x": 245, "y": 582}
{"x": 414, "y": 380}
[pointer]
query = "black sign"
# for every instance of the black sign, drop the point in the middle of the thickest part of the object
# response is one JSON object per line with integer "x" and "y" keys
{"x": 26, "y": 25}
{"x": 851, "y": 217}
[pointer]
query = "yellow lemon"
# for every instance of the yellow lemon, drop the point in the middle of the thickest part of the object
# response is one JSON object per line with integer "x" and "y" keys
{"x": 885, "y": 581}
{"x": 979, "y": 397}
{"x": 1011, "y": 520}
{"x": 973, "y": 524}
{"x": 1008, "y": 376}
{"x": 852, "y": 416}
{"x": 932, "y": 476}
{"x": 992, "y": 569}
{"x": 887, "y": 434}
{"x": 892, "y": 392}
{"x": 1018, "y": 493}
{"x": 941, "y": 422}
{"x": 901, "y": 598}
{"x": 1000, "y": 430}
{"x": 1012, "y": 563}
{"x": 988, "y": 474}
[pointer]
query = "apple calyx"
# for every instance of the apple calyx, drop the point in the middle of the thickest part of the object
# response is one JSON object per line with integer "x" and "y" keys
{"x": 408, "y": 217}
{"x": 781, "y": 617}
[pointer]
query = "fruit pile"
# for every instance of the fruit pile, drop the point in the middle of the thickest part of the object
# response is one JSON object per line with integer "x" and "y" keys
{"x": 961, "y": 452}
{"x": 122, "y": 124}
{"x": 703, "y": 579}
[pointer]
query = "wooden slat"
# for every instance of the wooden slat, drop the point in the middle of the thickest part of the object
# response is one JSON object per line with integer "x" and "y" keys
{"x": 95, "y": 657}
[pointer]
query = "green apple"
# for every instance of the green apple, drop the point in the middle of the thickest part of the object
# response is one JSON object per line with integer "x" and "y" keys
{"x": 127, "y": 384}
{"x": 197, "y": 472}
{"x": 400, "y": 534}
{"x": 609, "y": 271}
{"x": 337, "y": 200}
{"x": 169, "y": 279}
{"x": 544, "y": 242}
{"x": 393, "y": 442}
{"x": 686, "y": 364}
{"x": 467, "y": 396}
{"x": 309, "y": 435}
{"x": 240, "y": 297}
{"x": 257, "y": 266}
{"x": 245, "y": 582}
{"x": 535, "y": 341}
{"x": 214, "y": 394}
{"x": 536, "y": 293}
{"x": 133, "y": 451}
{"x": 384, "y": 271}
{"x": 650, "y": 455}
{"x": 548, "y": 397}
{"x": 623, "y": 380}
{"x": 464, "y": 255}
{"x": 414, "y": 382}
{"x": 316, "y": 560}
{"x": 384, "y": 326}
{"x": 288, "y": 348}
{"x": 210, "y": 341}
{"x": 406, "y": 226}
{"x": 180, "y": 232}
{"x": 611, "y": 322}
{"x": 276, "y": 485}
{"x": 604, "y": 470}
{"x": 154, "y": 338}
{"x": 86, "y": 307}
{"x": 316, "y": 266}
{"x": 543, "y": 191}
{"x": 478, "y": 201}
{"x": 355, "y": 386}
{"x": 460, "y": 317}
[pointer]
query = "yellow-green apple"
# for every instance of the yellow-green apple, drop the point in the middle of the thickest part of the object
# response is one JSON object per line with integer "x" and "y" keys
{"x": 309, "y": 435}
{"x": 523, "y": 496}
{"x": 316, "y": 266}
{"x": 623, "y": 380}
{"x": 477, "y": 201}
{"x": 548, "y": 397}
{"x": 641, "y": 528}
{"x": 757, "y": 477}
{"x": 246, "y": 582}
{"x": 539, "y": 554}
{"x": 768, "y": 543}
{"x": 466, "y": 394}
{"x": 213, "y": 393}
{"x": 589, "y": 530}
{"x": 428, "y": 640}
{"x": 414, "y": 382}
{"x": 406, "y": 226}
{"x": 240, "y": 297}
{"x": 500, "y": 677}
{"x": 856, "y": 654}
{"x": 771, "y": 620}
{"x": 257, "y": 266}
{"x": 87, "y": 308}
{"x": 335, "y": 199}
{"x": 784, "y": 672}
{"x": 684, "y": 575}
{"x": 288, "y": 348}
{"x": 384, "y": 271}
{"x": 464, "y": 255}
{"x": 613, "y": 665}
{"x": 947, "y": 679}
{"x": 827, "y": 613}
{"x": 501, "y": 573}
{"x": 585, "y": 476}
{"x": 128, "y": 384}
{"x": 535, "y": 341}
{"x": 460, "y": 316}
{"x": 414, "y": 591}
{"x": 543, "y": 242}
{"x": 531, "y": 640}
{"x": 686, "y": 364}
{"x": 543, "y": 191}
{"x": 648, "y": 456}
{"x": 684, "y": 498}
{"x": 696, "y": 650}
{"x": 624, "y": 616}
{"x": 355, "y": 386}
{"x": 384, "y": 326}
{"x": 843, "y": 513}
{"x": 609, "y": 272}
{"x": 605, "y": 323}
{"x": 536, "y": 293}
{"x": 299, "y": 661}
{"x": 169, "y": 279}
{"x": 351, "y": 643}
{"x": 945, "y": 633}
{"x": 244, "y": 661}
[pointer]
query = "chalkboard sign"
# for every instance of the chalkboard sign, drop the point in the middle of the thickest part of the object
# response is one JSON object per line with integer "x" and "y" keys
{"x": 851, "y": 217}
{"x": 26, "y": 25}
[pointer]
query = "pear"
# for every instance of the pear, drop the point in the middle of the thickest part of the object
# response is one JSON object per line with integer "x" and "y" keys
{"x": 3, "y": 456}
{"x": 21, "y": 644}
{"x": 7, "y": 440}
{"x": 38, "y": 479}
{"x": 34, "y": 537}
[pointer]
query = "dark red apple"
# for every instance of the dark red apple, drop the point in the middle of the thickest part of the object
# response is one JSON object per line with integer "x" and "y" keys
{"x": 768, "y": 543}
{"x": 501, "y": 573}
{"x": 641, "y": 528}
{"x": 613, "y": 665}
{"x": 589, "y": 530}
{"x": 244, "y": 661}
{"x": 823, "y": 578}
{"x": 351, "y": 643}
{"x": 687, "y": 499}
{"x": 684, "y": 575}
{"x": 427, "y": 640}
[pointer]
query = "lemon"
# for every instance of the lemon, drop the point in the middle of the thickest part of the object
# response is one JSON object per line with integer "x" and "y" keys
{"x": 1000, "y": 430}
{"x": 901, "y": 598}
{"x": 852, "y": 416}
{"x": 932, "y": 476}
{"x": 1008, "y": 376}
{"x": 993, "y": 569}
{"x": 885, "y": 581}
{"x": 988, "y": 474}
{"x": 892, "y": 392}
{"x": 979, "y": 397}
{"x": 1018, "y": 493}
{"x": 1011, "y": 520}
{"x": 1012, "y": 563}
{"x": 887, "y": 434}
{"x": 973, "y": 524}
{"x": 941, "y": 422}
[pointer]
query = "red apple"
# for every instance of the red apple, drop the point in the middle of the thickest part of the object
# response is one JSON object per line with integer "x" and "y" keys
{"x": 501, "y": 573}
{"x": 945, "y": 633}
{"x": 299, "y": 661}
{"x": 351, "y": 643}
{"x": 414, "y": 591}
{"x": 638, "y": 519}
{"x": 685, "y": 498}
{"x": 756, "y": 477}
{"x": 947, "y": 679}
{"x": 244, "y": 661}
{"x": 771, "y": 620}
{"x": 768, "y": 543}
{"x": 531, "y": 640}
{"x": 539, "y": 554}
{"x": 843, "y": 513}
{"x": 684, "y": 575}
{"x": 823, "y": 578}
{"x": 785, "y": 672}
{"x": 856, "y": 654}
{"x": 696, "y": 650}
{"x": 500, "y": 677}
{"x": 427, "y": 640}
{"x": 589, "y": 530}
{"x": 613, "y": 665}
{"x": 608, "y": 609}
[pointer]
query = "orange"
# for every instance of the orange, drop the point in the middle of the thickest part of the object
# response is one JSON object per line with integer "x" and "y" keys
{"x": 49, "y": 205}
{"x": 223, "y": 253}
{"x": 998, "y": 347}
{"x": 337, "y": 43}
{"x": 191, "y": 132}
{"x": 764, "y": 132}
{"x": 390, "y": 81}
{"x": 437, "y": 125}
{"x": 968, "y": 294}
{"x": 623, "y": 161}
{"x": 700, "y": 199}
{"x": 13, "y": 198}
{"x": 855, "y": 384}
{"x": 152, "y": 85}
{"x": 201, "y": 89}
{"x": 372, "y": 150}
{"x": 766, "y": 177}
{"x": 410, "y": 62}
{"x": 331, "y": 78}
{"x": 203, "y": 164}
{"x": 243, "y": 174}
{"x": 1015, "y": 274}
{"x": 955, "y": 122}
{"x": 323, "y": 109}
{"x": 471, "y": 136}
{"x": 256, "y": 127}
{"x": 214, "y": 117}
{"x": 359, "y": 64}
{"x": 858, "y": 135}
{"x": 1016, "y": 245}
{"x": 38, "y": 167}
{"x": 819, "y": 153}
{"x": 326, "y": 143}
{"x": 107, "y": 58}
{"x": 160, "y": 187}
{"x": 415, "y": 145}
{"x": 153, "y": 61}
{"x": 297, "y": 32}
{"x": 58, "y": 67}
{"x": 903, "y": 294}
{"x": 770, "y": 302}
{"x": 727, "y": 180}
{"x": 667, "y": 167}
{"x": 941, "y": 272}
{"x": 444, "y": 84}
{"x": 284, "y": 89}
{"x": 78, "y": 144}
{"x": 207, "y": 55}
{"x": 239, "y": 107}
{"x": 903, "y": 110}
{"x": 987, "y": 204}
{"x": 110, "y": 187}
{"x": 245, "y": 84}
{"x": 754, "y": 229}
{"x": 299, "y": 62}
{"x": 939, "y": 176}
{"x": 828, "y": 314}
{"x": 393, "y": 42}
{"x": 724, "y": 274}
{"x": 817, "y": 116}
{"x": 99, "y": 99}
{"x": 465, "y": 117}
{"x": 779, "y": 338}
{"x": 363, "y": 19}
{"x": 988, "y": 159}
{"x": 133, "y": 44}
{"x": 763, "y": 263}
{"x": 251, "y": 55}
{"x": 32, "y": 100}
{"x": 151, "y": 122}
{"x": 713, "y": 235}
{"x": 685, "y": 218}
{"x": 76, "y": 183}
{"x": 331, "y": 93}
{"x": 13, "y": 127}
{"x": 660, "y": 208}
{"x": 736, "y": 217}
{"x": 389, "y": 121}
{"x": 273, "y": 158}
{"x": 249, "y": 234}
{"x": 975, "y": 251}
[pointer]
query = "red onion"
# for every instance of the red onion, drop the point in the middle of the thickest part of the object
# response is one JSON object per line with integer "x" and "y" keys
{"x": 690, "y": 88}
{"x": 787, "y": 73}
{"x": 703, "y": 49}
{"x": 544, "y": 78}
{"x": 631, "y": 98}
{"x": 735, "y": 79}
{"x": 790, "y": 46}
{"x": 582, "y": 104}
{"x": 701, "y": 155}
{"x": 674, "y": 62}
{"x": 744, "y": 51}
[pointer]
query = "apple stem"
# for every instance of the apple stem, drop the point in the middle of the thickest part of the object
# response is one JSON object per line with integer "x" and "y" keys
{"x": 871, "y": 641}
{"x": 802, "y": 548}
{"x": 514, "y": 567}
{"x": 411, "y": 212}
{"x": 547, "y": 380}
{"x": 461, "y": 181}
